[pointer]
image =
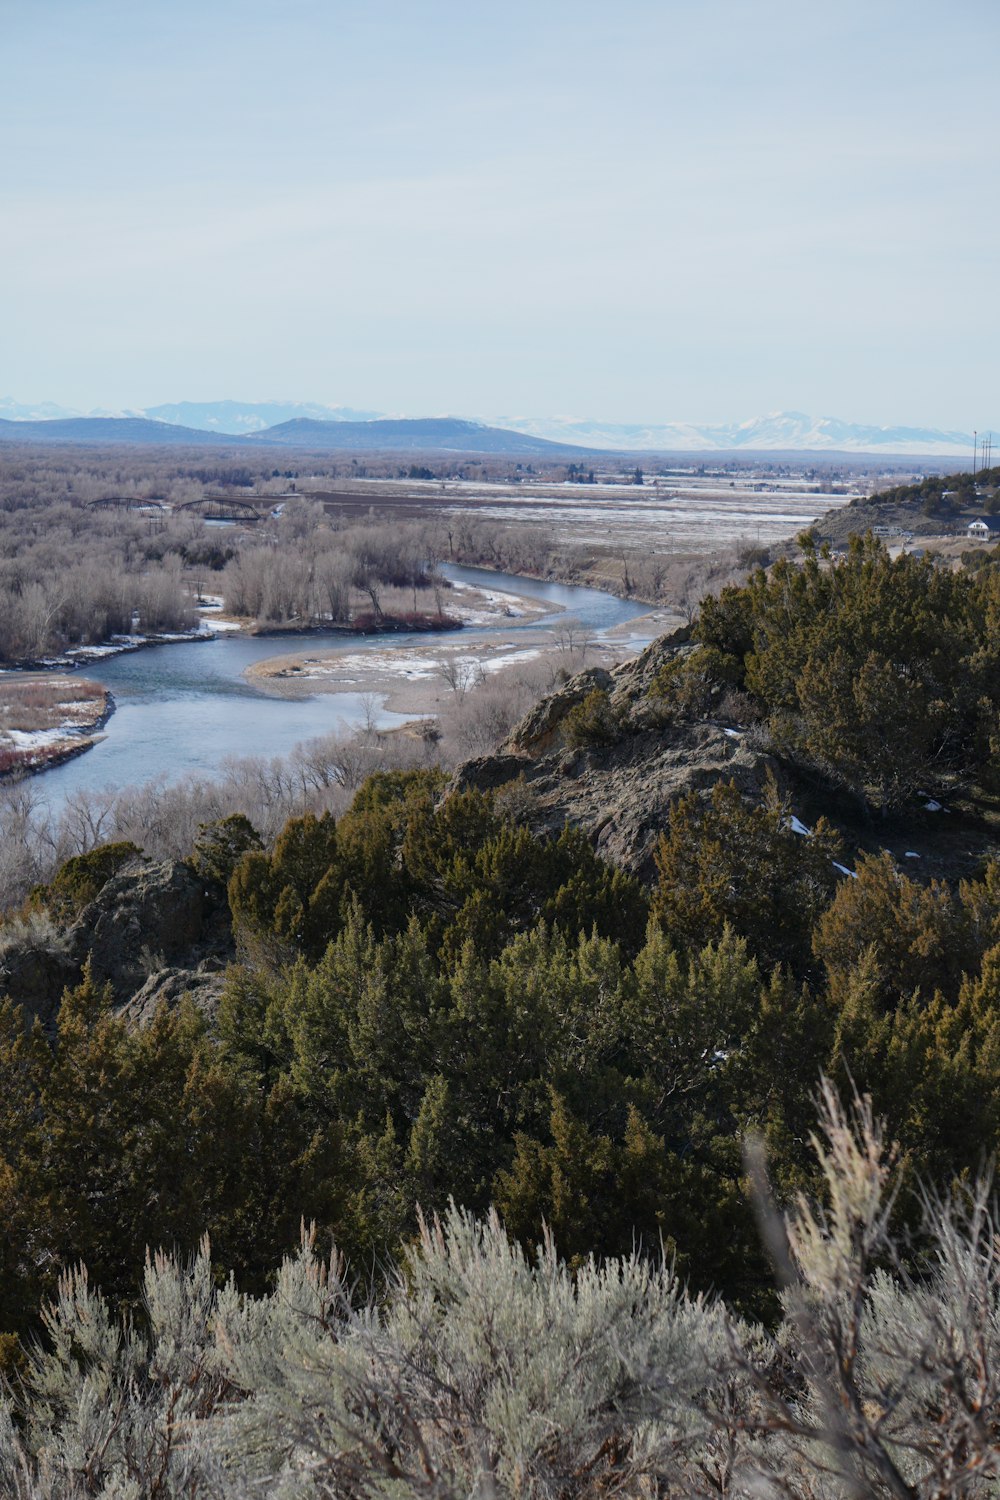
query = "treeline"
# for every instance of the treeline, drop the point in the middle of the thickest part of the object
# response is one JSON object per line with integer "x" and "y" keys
{"x": 310, "y": 570}
{"x": 72, "y": 577}
{"x": 68, "y": 475}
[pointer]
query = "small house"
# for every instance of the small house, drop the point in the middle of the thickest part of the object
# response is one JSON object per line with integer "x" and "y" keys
{"x": 984, "y": 527}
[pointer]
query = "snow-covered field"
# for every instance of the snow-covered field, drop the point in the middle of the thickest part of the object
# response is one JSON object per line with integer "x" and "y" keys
{"x": 664, "y": 520}
{"x": 675, "y": 512}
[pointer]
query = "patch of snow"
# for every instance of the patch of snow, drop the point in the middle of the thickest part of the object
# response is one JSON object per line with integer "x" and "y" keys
{"x": 844, "y": 870}
{"x": 499, "y": 602}
{"x": 35, "y": 739}
{"x": 208, "y": 626}
{"x": 910, "y": 854}
{"x": 90, "y": 653}
{"x": 798, "y": 827}
{"x": 734, "y": 734}
{"x": 352, "y": 667}
{"x": 933, "y": 806}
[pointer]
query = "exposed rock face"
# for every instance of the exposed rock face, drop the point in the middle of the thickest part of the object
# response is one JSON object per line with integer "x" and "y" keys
{"x": 153, "y": 933}
{"x": 34, "y": 976}
{"x": 169, "y": 986}
{"x": 539, "y": 729}
{"x": 620, "y": 794}
{"x": 626, "y": 685}
{"x": 148, "y": 912}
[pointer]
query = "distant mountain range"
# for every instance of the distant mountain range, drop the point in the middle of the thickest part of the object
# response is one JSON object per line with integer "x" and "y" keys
{"x": 343, "y": 428}
{"x": 235, "y": 417}
{"x": 780, "y": 431}
{"x": 426, "y": 434}
{"x": 131, "y": 430}
{"x": 394, "y": 435}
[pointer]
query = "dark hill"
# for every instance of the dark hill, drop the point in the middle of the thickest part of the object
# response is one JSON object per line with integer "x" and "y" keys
{"x": 409, "y": 435}
{"x": 419, "y": 435}
{"x": 132, "y": 430}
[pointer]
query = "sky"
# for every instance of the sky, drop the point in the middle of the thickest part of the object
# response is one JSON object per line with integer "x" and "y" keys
{"x": 632, "y": 210}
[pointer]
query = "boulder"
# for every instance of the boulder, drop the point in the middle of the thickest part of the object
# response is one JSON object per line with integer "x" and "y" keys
{"x": 33, "y": 974}
{"x": 168, "y": 987}
{"x": 149, "y": 914}
{"x": 539, "y": 729}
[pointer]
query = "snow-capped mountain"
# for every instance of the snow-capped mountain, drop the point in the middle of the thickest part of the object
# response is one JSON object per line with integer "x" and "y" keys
{"x": 236, "y": 417}
{"x": 41, "y": 411}
{"x": 781, "y": 431}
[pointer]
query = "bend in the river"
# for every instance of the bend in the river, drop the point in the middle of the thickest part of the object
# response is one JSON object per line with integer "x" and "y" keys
{"x": 187, "y": 706}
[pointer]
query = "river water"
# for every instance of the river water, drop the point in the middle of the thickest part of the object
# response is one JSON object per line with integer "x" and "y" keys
{"x": 185, "y": 707}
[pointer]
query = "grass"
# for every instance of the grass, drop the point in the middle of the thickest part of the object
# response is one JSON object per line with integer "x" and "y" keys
{"x": 32, "y": 929}
{"x": 44, "y": 701}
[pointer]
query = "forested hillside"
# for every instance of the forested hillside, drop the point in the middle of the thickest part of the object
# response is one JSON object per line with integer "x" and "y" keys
{"x": 440, "y": 997}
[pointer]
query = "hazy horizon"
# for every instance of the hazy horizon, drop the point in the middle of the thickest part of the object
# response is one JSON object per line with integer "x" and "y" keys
{"x": 44, "y": 409}
{"x": 658, "y": 214}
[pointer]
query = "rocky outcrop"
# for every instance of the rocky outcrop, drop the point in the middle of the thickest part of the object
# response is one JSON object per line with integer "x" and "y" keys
{"x": 34, "y": 973}
{"x": 149, "y": 914}
{"x": 168, "y": 987}
{"x": 632, "y": 680}
{"x": 627, "y": 687}
{"x": 619, "y": 793}
{"x": 539, "y": 730}
{"x": 154, "y": 932}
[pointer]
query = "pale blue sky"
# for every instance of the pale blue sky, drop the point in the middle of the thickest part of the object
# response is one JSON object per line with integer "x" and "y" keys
{"x": 685, "y": 210}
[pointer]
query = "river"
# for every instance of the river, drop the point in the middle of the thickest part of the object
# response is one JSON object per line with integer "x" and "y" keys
{"x": 185, "y": 707}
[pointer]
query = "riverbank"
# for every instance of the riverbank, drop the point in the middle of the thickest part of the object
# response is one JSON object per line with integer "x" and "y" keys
{"x": 188, "y": 710}
{"x": 420, "y": 680}
{"x": 116, "y": 645}
{"x": 47, "y": 719}
{"x": 468, "y": 605}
